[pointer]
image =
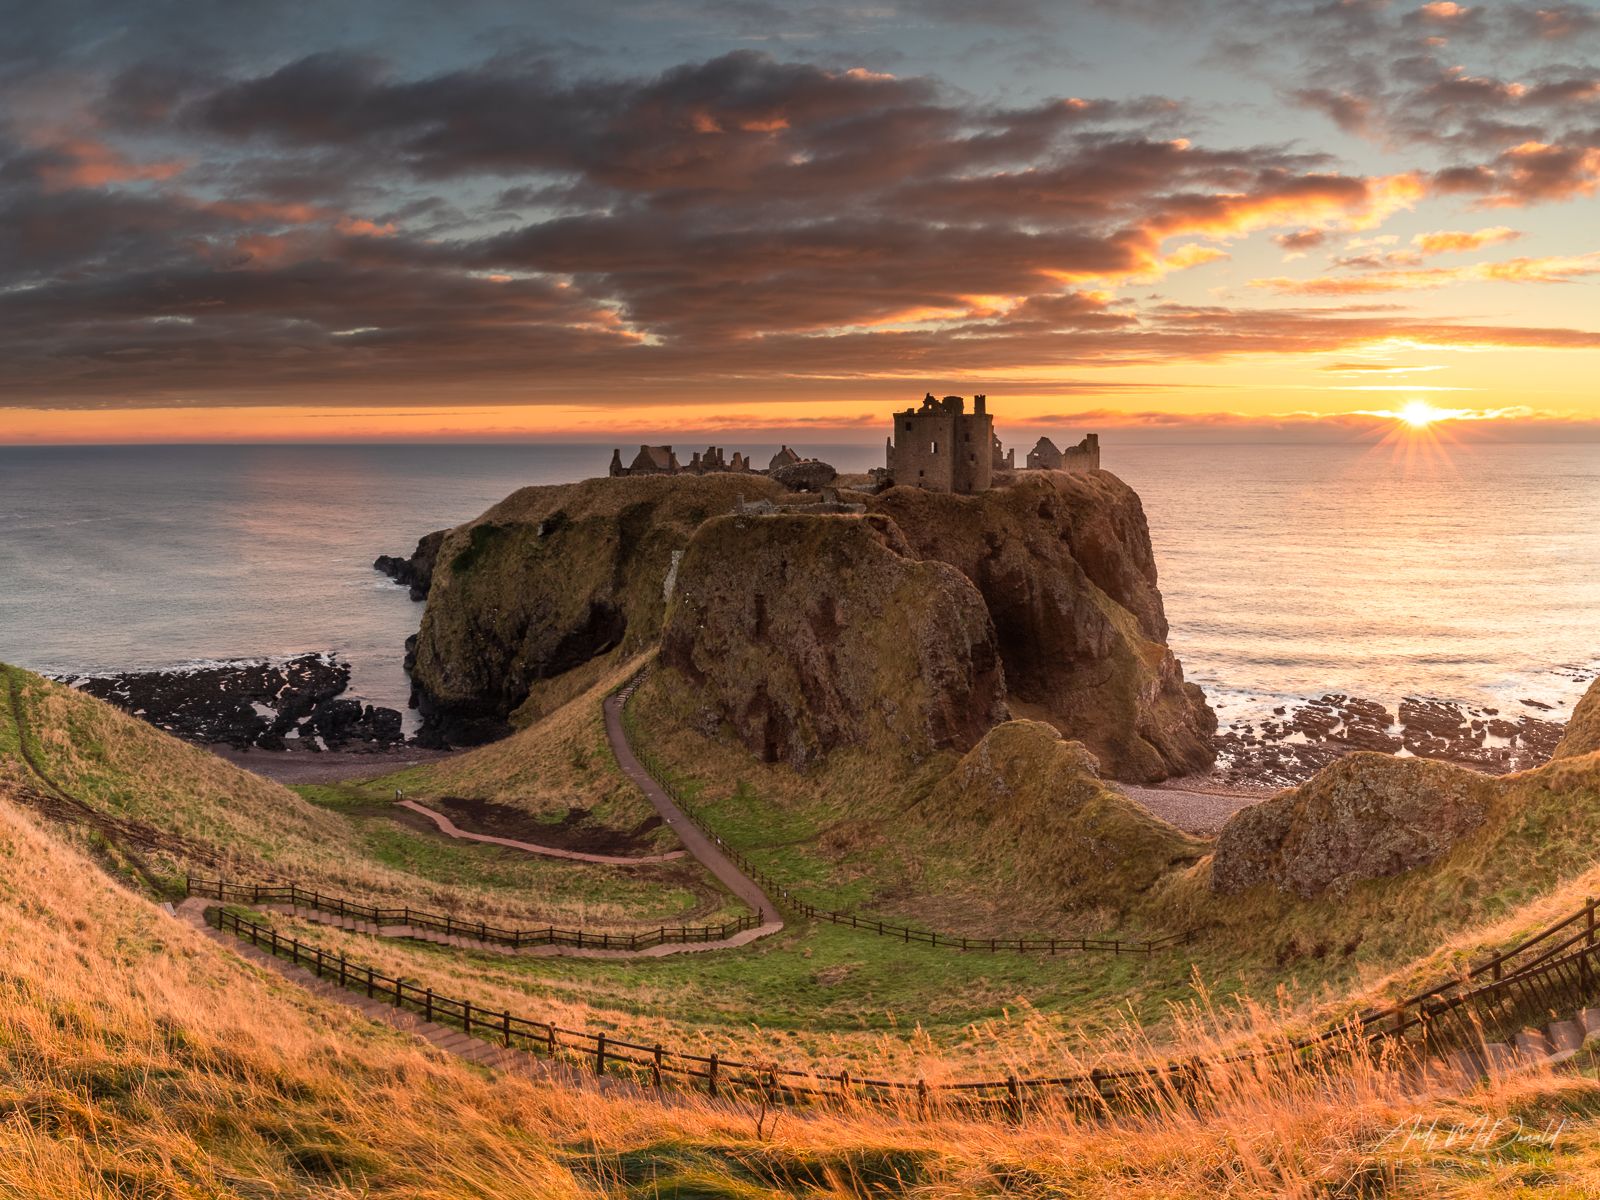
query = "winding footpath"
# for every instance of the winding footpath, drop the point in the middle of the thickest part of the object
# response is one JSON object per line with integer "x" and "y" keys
{"x": 690, "y": 834}
{"x": 450, "y": 829}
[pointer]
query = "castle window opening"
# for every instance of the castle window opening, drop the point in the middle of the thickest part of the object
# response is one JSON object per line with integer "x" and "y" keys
{"x": 934, "y": 448}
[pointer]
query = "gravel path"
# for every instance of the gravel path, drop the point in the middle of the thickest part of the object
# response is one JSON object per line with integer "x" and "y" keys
{"x": 697, "y": 843}
{"x": 1202, "y": 812}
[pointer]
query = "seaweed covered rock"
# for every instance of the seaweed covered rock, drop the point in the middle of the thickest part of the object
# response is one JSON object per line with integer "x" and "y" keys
{"x": 1032, "y": 804}
{"x": 1365, "y": 816}
{"x": 1065, "y": 566}
{"x": 804, "y": 633}
{"x": 1583, "y": 729}
{"x": 547, "y": 581}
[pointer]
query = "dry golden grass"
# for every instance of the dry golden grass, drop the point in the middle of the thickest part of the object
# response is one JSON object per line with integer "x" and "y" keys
{"x": 144, "y": 1061}
{"x": 194, "y": 804}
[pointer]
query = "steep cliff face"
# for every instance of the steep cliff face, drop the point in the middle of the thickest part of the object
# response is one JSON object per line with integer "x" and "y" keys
{"x": 806, "y": 633}
{"x": 1032, "y": 805}
{"x": 1366, "y": 816}
{"x": 548, "y": 580}
{"x": 1583, "y": 730}
{"x": 1065, "y": 567}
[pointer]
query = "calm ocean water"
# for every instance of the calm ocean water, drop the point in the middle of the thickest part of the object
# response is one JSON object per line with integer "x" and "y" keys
{"x": 1288, "y": 571}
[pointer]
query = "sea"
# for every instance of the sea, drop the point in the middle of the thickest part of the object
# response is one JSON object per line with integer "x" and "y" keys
{"x": 1469, "y": 574}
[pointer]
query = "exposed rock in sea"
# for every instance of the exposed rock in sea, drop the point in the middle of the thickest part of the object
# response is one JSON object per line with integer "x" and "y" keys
{"x": 807, "y": 633}
{"x": 252, "y": 703}
{"x": 1364, "y": 817}
{"x": 415, "y": 572}
{"x": 1302, "y": 741}
{"x": 1065, "y": 565}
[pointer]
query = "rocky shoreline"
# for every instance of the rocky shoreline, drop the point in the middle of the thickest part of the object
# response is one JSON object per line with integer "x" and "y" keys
{"x": 1293, "y": 744}
{"x": 291, "y": 705}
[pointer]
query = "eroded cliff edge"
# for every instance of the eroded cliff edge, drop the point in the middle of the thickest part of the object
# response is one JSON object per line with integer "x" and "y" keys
{"x": 1039, "y": 599}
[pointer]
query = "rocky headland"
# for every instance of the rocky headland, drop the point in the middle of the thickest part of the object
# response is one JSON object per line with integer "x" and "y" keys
{"x": 296, "y": 704}
{"x": 1037, "y": 599}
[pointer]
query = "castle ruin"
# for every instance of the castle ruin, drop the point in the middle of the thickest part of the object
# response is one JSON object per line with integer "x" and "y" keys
{"x": 1085, "y": 456}
{"x": 943, "y": 448}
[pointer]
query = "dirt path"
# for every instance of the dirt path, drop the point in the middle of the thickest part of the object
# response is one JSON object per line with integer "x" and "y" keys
{"x": 696, "y": 842}
{"x": 450, "y": 829}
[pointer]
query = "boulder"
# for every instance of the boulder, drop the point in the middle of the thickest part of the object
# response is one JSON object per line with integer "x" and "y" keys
{"x": 810, "y": 476}
{"x": 802, "y": 633}
{"x": 1365, "y": 816}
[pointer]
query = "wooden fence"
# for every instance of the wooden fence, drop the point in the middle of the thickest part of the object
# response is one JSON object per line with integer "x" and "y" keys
{"x": 257, "y": 894}
{"x": 1558, "y": 970}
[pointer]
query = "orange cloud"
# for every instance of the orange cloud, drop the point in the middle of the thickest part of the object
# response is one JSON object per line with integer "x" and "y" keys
{"x": 1445, "y": 241}
{"x": 85, "y": 163}
{"x": 1553, "y": 269}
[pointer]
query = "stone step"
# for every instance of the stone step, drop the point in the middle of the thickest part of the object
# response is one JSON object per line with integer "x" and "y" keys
{"x": 1532, "y": 1045}
{"x": 1565, "y": 1036}
{"x": 1589, "y": 1018}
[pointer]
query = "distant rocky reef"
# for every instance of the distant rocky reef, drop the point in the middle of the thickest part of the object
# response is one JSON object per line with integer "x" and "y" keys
{"x": 252, "y": 704}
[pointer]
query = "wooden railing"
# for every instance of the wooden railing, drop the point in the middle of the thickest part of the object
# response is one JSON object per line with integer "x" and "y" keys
{"x": 293, "y": 895}
{"x": 1560, "y": 975}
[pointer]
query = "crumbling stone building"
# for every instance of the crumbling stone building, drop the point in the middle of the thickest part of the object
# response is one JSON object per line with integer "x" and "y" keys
{"x": 942, "y": 447}
{"x": 651, "y": 460}
{"x": 1083, "y": 457}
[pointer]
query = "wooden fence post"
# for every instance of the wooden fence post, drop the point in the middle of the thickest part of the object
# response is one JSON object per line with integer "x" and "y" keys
{"x": 1014, "y": 1090}
{"x": 600, "y": 1054}
{"x": 427, "y": 1006}
{"x": 655, "y": 1066}
{"x": 711, "y": 1076}
{"x": 505, "y": 1026}
{"x": 1589, "y": 921}
{"x": 466, "y": 1017}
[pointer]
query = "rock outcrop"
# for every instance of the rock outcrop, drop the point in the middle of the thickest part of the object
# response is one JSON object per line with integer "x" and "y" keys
{"x": 548, "y": 580}
{"x": 1033, "y": 804}
{"x": 1065, "y": 566}
{"x": 415, "y": 572}
{"x": 1366, "y": 816}
{"x": 295, "y": 704}
{"x": 805, "y": 633}
{"x": 1583, "y": 728}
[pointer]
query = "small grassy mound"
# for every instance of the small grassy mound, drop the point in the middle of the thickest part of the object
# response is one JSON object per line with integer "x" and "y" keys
{"x": 1030, "y": 807}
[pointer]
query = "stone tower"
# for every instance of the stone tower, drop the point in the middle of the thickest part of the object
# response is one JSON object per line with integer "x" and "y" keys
{"x": 942, "y": 447}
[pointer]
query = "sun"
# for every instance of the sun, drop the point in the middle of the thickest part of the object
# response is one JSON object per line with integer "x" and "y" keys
{"x": 1419, "y": 414}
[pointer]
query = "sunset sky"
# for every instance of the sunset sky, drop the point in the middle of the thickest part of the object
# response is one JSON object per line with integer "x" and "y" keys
{"x": 1178, "y": 218}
